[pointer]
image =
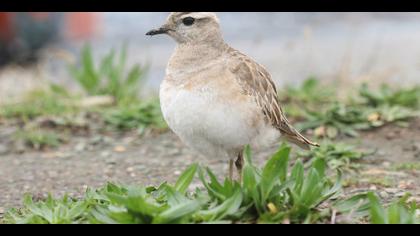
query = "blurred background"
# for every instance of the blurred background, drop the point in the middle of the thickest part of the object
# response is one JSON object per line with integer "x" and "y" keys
{"x": 79, "y": 105}
{"x": 330, "y": 46}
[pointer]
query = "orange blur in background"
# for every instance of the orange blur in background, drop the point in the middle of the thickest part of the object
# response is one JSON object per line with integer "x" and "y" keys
{"x": 77, "y": 25}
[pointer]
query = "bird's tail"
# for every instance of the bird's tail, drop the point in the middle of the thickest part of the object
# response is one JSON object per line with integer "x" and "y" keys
{"x": 300, "y": 140}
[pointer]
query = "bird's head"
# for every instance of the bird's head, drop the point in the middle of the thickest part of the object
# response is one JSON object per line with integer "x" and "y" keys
{"x": 191, "y": 27}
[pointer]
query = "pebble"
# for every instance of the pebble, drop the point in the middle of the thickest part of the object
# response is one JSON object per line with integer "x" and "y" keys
{"x": 414, "y": 199}
{"x": 2, "y": 210}
{"x": 384, "y": 194}
{"x": 130, "y": 169}
{"x": 406, "y": 184}
{"x": 20, "y": 146}
{"x": 416, "y": 146}
{"x": 80, "y": 147}
{"x": 96, "y": 140}
{"x": 177, "y": 172}
{"x": 390, "y": 135}
{"x": 400, "y": 194}
{"x": 119, "y": 149}
{"x": 84, "y": 187}
{"x": 373, "y": 188}
{"x": 392, "y": 190}
{"x": 3, "y": 149}
{"x": 105, "y": 154}
{"x": 386, "y": 164}
{"x": 52, "y": 174}
{"x": 141, "y": 167}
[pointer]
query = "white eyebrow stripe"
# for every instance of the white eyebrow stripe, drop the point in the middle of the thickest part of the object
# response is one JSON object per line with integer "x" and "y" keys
{"x": 200, "y": 15}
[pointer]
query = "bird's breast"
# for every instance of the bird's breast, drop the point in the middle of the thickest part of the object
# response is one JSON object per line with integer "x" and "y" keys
{"x": 211, "y": 113}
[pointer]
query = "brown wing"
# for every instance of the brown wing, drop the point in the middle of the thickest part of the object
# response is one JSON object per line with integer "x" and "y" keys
{"x": 256, "y": 82}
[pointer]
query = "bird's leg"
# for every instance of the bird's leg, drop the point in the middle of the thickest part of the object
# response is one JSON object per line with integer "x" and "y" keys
{"x": 239, "y": 163}
{"x": 231, "y": 170}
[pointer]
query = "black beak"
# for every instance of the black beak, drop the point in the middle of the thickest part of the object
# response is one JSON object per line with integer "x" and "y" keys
{"x": 161, "y": 30}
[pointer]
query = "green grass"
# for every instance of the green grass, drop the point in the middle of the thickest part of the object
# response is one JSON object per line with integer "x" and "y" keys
{"x": 276, "y": 193}
{"x": 267, "y": 195}
{"x": 336, "y": 155}
{"x": 318, "y": 109}
{"x": 38, "y": 139}
{"x": 110, "y": 77}
{"x": 398, "y": 212}
{"x": 53, "y": 100}
{"x": 385, "y": 95}
{"x": 310, "y": 95}
{"x": 135, "y": 116}
{"x": 407, "y": 166}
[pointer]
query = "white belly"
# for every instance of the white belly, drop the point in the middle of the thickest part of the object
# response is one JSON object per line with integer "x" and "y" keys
{"x": 211, "y": 126}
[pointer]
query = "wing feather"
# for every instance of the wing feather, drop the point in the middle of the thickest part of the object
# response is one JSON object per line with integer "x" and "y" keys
{"x": 255, "y": 81}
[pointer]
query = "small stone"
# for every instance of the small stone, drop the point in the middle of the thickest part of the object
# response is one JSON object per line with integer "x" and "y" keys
{"x": 406, "y": 184}
{"x": 80, "y": 147}
{"x": 2, "y": 210}
{"x": 130, "y": 169}
{"x": 177, "y": 172}
{"x": 390, "y": 135}
{"x": 52, "y": 174}
{"x": 141, "y": 167}
{"x": 373, "y": 188}
{"x": 20, "y": 146}
{"x": 400, "y": 194}
{"x": 105, "y": 154}
{"x": 107, "y": 140}
{"x": 132, "y": 175}
{"x": 119, "y": 149}
{"x": 96, "y": 140}
{"x": 3, "y": 149}
{"x": 386, "y": 164}
{"x": 384, "y": 194}
{"x": 414, "y": 199}
{"x": 391, "y": 190}
{"x": 320, "y": 131}
{"x": 416, "y": 146}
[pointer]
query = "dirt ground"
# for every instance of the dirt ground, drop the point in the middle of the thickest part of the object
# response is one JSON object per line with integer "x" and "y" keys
{"x": 93, "y": 159}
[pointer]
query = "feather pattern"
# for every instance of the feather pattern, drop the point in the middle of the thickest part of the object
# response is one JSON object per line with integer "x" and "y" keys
{"x": 255, "y": 81}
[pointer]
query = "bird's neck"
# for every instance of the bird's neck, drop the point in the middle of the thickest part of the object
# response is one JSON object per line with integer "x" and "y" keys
{"x": 188, "y": 56}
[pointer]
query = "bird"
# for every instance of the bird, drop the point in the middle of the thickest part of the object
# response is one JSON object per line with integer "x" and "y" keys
{"x": 216, "y": 99}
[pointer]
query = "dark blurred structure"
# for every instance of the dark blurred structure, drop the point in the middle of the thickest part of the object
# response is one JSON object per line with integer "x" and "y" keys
{"x": 24, "y": 34}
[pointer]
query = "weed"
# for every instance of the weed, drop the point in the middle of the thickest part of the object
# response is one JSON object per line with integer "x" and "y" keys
{"x": 53, "y": 100}
{"x": 407, "y": 166}
{"x": 409, "y": 98}
{"x": 336, "y": 155}
{"x": 267, "y": 195}
{"x": 135, "y": 116}
{"x": 50, "y": 211}
{"x": 399, "y": 212}
{"x": 110, "y": 76}
{"x": 38, "y": 139}
{"x": 310, "y": 95}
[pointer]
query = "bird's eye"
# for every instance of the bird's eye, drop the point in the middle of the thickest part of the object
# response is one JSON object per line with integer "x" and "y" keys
{"x": 188, "y": 21}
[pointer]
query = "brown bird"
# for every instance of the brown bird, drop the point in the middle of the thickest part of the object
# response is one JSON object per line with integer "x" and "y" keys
{"x": 217, "y": 99}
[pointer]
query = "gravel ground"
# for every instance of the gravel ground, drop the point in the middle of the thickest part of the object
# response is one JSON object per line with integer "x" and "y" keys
{"x": 92, "y": 160}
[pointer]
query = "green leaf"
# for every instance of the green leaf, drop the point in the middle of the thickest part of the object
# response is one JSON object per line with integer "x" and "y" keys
{"x": 377, "y": 212}
{"x": 228, "y": 207}
{"x": 185, "y": 179}
{"x": 176, "y": 213}
{"x": 274, "y": 170}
